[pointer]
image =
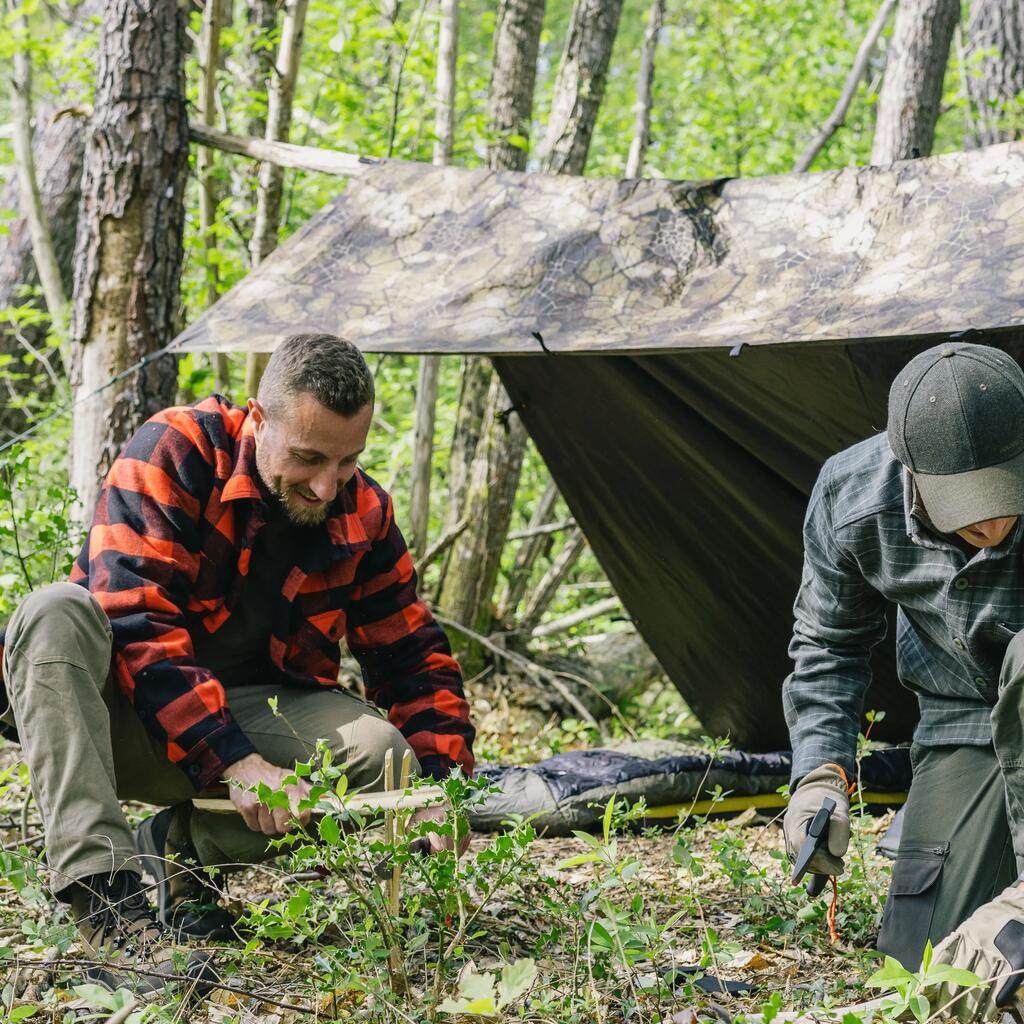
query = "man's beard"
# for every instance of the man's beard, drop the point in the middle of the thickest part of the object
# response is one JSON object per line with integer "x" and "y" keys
{"x": 295, "y": 512}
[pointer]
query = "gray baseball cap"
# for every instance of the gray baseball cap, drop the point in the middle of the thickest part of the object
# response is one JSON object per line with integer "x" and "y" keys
{"x": 956, "y": 421}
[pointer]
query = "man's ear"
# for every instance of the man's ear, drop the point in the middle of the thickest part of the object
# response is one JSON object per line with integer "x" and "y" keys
{"x": 258, "y": 416}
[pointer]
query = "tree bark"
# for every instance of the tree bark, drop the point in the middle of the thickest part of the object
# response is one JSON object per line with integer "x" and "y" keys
{"x": 528, "y": 552}
{"x": 129, "y": 251}
{"x": 995, "y": 71}
{"x": 579, "y": 87}
{"x": 468, "y": 587}
{"x": 430, "y": 366}
{"x": 513, "y": 78}
{"x": 908, "y": 106}
{"x": 258, "y": 62}
{"x": 43, "y": 253}
{"x": 559, "y": 569}
{"x": 644, "y": 85}
{"x": 280, "y": 94}
{"x": 212, "y": 21}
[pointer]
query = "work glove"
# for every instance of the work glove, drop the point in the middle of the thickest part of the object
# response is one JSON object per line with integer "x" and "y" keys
{"x": 990, "y": 943}
{"x": 804, "y": 804}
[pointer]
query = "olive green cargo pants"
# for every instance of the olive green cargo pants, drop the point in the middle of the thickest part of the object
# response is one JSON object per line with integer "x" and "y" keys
{"x": 87, "y": 749}
{"x": 963, "y": 829}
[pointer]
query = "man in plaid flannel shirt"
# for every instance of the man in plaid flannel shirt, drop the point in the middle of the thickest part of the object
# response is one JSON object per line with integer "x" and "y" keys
{"x": 927, "y": 517}
{"x": 230, "y": 552}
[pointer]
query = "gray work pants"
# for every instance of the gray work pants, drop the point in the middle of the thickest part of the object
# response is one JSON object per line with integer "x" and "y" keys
{"x": 87, "y": 750}
{"x": 963, "y": 829}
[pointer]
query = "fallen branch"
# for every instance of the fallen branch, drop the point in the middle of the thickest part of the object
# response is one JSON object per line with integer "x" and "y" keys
{"x": 557, "y": 572}
{"x": 283, "y": 154}
{"x": 575, "y": 618}
{"x": 531, "y": 668}
{"x": 528, "y": 553}
{"x": 860, "y": 65}
{"x": 440, "y": 546}
{"x": 388, "y": 801}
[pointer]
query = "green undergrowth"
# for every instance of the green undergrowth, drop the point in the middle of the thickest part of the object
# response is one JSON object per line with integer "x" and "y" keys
{"x": 620, "y": 925}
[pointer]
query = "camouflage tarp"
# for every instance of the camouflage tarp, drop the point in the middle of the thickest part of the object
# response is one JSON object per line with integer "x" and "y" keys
{"x": 687, "y": 469}
{"x": 422, "y": 259}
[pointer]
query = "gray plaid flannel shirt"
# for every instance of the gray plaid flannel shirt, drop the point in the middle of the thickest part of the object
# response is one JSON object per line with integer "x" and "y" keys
{"x": 866, "y": 543}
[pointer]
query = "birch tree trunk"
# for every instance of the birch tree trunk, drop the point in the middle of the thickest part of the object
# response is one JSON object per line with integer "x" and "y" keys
{"x": 129, "y": 251}
{"x": 57, "y": 158}
{"x": 43, "y": 253}
{"x": 908, "y": 106}
{"x": 644, "y": 85}
{"x": 280, "y": 95}
{"x": 995, "y": 71}
{"x": 468, "y": 588}
{"x": 430, "y": 366}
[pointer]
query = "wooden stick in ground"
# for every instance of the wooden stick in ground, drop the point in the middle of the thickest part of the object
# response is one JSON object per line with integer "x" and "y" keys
{"x": 426, "y": 796}
{"x": 838, "y": 115}
{"x": 396, "y": 871}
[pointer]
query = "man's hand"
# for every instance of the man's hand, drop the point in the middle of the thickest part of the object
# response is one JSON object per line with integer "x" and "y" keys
{"x": 990, "y": 943}
{"x": 438, "y": 842}
{"x": 250, "y": 772}
{"x": 804, "y": 803}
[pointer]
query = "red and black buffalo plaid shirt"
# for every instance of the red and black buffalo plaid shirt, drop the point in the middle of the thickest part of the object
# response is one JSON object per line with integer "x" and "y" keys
{"x": 173, "y": 531}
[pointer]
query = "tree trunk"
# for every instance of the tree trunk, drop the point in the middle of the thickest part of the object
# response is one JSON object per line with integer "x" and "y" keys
{"x": 559, "y": 569}
{"x": 469, "y": 584}
{"x": 57, "y": 145}
{"x": 908, "y": 106}
{"x": 513, "y": 77}
{"x": 212, "y": 21}
{"x": 43, "y": 254}
{"x": 430, "y": 366}
{"x": 280, "y": 94}
{"x": 528, "y": 552}
{"x": 995, "y": 71}
{"x": 579, "y": 87}
{"x": 258, "y": 62}
{"x": 468, "y": 588}
{"x": 129, "y": 251}
{"x": 645, "y": 82}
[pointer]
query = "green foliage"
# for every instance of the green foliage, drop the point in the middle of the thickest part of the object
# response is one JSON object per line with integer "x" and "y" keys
{"x": 912, "y": 992}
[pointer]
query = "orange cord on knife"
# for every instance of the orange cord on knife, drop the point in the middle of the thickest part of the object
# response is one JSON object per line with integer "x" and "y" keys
{"x": 830, "y": 914}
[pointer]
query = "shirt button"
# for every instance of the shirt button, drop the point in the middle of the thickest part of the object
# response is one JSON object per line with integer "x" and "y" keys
{"x": 958, "y": 643}
{"x": 962, "y": 584}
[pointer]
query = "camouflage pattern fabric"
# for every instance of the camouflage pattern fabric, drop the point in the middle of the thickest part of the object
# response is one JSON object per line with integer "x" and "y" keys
{"x": 413, "y": 258}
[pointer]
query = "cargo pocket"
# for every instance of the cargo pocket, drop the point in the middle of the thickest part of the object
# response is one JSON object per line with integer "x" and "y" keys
{"x": 907, "y": 918}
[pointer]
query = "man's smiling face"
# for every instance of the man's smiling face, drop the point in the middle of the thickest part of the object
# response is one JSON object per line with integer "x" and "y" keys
{"x": 307, "y": 453}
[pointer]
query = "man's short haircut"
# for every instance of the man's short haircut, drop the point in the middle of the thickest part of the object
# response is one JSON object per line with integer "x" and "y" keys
{"x": 329, "y": 368}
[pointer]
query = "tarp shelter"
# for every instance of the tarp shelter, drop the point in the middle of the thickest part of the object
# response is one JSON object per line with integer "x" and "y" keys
{"x": 684, "y": 354}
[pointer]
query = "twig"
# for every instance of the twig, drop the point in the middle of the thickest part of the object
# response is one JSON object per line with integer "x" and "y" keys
{"x": 860, "y": 65}
{"x": 397, "y": 92}
{"x": 544, "y": 528}
{"x": 531, "y": 668}
{"x": 142, "y": 971}
{"x": 440, "y": 546}
{"x": 575, "y": 618}
{"x": 120, "y": 1016}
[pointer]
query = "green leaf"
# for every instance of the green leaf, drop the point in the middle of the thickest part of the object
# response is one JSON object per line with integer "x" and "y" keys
{"x": 485, "y": 1004}
{"x": 892, "y": 974}
{"x": 940, "y": 974}
{"x": 341, "y": 787}
{"x": 516, "y": 980}
{"x": 919, "y": 1007}
{"x": 476, "y": 986}
{"x": 22, "y": 1013}
{"x": 583, "y": 858}
{"x": 330, "y": 833}
{"x": 607, "y": 823}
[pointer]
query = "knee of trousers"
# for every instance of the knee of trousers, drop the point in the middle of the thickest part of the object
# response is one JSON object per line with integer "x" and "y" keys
{"x": 373, "y": 739}
{"x": 61, "y": 622}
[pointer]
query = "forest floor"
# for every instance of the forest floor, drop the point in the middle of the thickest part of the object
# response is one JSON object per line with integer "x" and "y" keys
{"x": 521, "y": 928}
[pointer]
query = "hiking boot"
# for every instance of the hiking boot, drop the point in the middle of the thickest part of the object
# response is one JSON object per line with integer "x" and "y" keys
{"x": 186, "y": 899}
{"x": 117, "y": 926}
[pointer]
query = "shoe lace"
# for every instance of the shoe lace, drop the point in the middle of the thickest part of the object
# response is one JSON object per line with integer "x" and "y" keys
{"x": 120, "y": 912}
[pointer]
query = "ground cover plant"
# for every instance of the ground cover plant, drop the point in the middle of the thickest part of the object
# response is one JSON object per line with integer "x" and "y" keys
{"x": 618, "y": 925}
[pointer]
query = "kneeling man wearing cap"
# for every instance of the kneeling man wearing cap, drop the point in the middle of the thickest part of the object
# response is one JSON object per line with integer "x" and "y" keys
{"x": 926, "y": 516}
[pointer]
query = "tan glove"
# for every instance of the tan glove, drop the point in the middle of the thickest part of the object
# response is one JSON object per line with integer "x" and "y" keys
{"x": 804, "y": 804}
{"x": 990, "y": 943}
